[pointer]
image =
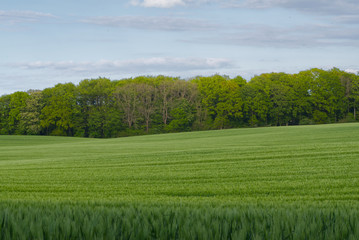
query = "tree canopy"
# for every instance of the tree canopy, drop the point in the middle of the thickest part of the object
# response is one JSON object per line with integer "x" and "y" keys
{"x": 157, "y": 104}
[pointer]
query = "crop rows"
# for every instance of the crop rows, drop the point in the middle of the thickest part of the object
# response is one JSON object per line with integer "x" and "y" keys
{"x": 265, "y": 183}
{"x": 63, "y": 221}
{"x": 315, "y": 163}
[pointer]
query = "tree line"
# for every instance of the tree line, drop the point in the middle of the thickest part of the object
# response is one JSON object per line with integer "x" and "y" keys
{"x": 102, "y": 108}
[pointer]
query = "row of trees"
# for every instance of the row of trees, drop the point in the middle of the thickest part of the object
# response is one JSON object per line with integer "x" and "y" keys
{"x": 104, "y": 108}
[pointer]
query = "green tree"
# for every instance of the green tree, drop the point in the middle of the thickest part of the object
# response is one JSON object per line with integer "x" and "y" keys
{"x": 17, "y": 104}
{"x": 182, "y": 117}
{"x": 147, "y": 98}
{"x": 57, "y": 115}
{"x": 4, "y": 114}
{"x": 128, "y": 103}
{"x": 221, "y": 98}
{"x": 171, "y": 93}
{"x": 256, "y": 100}
{"x": 166, "y": 96}
{"x": 326, "y": 94}
{"x": 288, "y": 98}
{"x": 30, "y": 114}
{"x": 354, "y": 95}
{"x": 301, "y": 107}
{"x": 350, "y": 83}
{"x": 96, "y": 102}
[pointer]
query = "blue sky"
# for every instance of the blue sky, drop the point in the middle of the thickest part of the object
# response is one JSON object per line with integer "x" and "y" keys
{"x": 45, "y": 42}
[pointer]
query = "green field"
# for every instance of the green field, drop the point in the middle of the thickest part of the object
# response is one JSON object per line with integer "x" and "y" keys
{"x": 304, "y": 173}
{"x": 286, "y": 164}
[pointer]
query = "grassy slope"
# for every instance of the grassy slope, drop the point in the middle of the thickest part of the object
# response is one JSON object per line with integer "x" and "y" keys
{"x": 280, "y": 164}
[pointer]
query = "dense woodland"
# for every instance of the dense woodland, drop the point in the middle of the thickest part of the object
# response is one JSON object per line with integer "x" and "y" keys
{"x": 157, "y": 104}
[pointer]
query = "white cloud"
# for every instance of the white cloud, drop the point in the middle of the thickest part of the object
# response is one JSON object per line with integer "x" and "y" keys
{"x": 169, "y": 3}
{"x": 159, "y": 3}
{"x": 136, "y": 66}
{"x": 349, "y": 70}
{"x": 301, "y": 36}
{"x": 12, "y": 17}
{"x": 152, "y": 23}
{"x": 331, "y": 7}
{"x": 43, "y": 74}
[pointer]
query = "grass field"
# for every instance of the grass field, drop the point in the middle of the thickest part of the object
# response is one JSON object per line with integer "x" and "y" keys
{"x": 287, "y": 164}
{"x": 305, "y": 172}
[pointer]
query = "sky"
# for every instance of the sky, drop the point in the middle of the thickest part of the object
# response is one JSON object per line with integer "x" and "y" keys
{"x": 45, "y": 42}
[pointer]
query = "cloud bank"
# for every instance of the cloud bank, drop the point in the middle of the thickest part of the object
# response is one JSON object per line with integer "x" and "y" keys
{"x": 42, "y": 74}
{"x": 327, "y": 7}
{"x": 152, "y": 23}
{"x": 167, "y": 3}
{"x": 258, "y": 35}
{"x": 12, "y": 17}
{"x": 314, "y": 35}
{"x": 158, "y": 3}
{"x": 150, "y": 65}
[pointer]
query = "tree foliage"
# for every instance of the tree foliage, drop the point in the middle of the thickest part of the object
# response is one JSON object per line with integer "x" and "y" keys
{"x": 155, "y": 104}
